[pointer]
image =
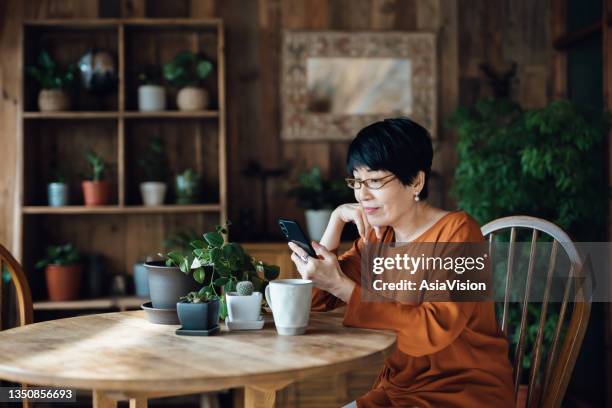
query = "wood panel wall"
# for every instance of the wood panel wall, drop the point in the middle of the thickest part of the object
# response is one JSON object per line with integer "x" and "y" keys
{"x": 471, "y": 32}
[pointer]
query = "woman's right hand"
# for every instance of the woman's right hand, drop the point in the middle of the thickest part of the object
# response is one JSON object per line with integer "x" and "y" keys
{"x": 353, "y": 212}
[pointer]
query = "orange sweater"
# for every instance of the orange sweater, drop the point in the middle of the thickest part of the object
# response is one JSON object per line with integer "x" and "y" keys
{"x": 450, "y": 354}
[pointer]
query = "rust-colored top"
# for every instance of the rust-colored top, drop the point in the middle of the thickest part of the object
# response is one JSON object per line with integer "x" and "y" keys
{"x": 450, "y": 354}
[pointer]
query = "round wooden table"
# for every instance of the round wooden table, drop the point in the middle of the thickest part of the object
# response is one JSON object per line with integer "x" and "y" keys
{"x": 122, "y": 356}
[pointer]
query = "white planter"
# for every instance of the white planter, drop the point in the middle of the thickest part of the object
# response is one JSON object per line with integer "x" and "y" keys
{"x": 57, "y": 193}
{"x": 243, "y": 308}
{"x": 153, "y": 193}
{"x": 316, "y": 222}
{"x": 191, "y": 98}
{"x": 151, "y": 98}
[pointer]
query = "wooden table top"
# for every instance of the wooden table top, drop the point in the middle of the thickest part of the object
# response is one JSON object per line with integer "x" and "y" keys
{"x": 124, "y": 352}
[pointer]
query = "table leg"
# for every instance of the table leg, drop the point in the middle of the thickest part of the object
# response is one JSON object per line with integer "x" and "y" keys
{"x": 102, "y": 400}
{"x": 138, "y": 403}
{"x": 262, "y": 396}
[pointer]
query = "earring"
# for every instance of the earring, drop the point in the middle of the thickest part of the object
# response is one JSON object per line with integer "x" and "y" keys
{"x": 416, "y": 197}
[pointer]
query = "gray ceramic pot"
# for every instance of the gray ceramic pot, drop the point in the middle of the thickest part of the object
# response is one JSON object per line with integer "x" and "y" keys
{"x": 167, "y": 284}
{"x": 198, "y": 316}
{"x": 141, "y": 280}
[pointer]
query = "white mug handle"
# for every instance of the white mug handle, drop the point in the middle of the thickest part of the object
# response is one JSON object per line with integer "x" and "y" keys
{"x": 268, "y": 298}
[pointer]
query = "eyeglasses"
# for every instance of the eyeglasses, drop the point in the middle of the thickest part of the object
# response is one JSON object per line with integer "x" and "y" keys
{"x": 373, "y": 183}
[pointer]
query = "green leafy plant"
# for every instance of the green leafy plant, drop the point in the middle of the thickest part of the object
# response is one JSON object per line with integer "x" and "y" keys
{"x": 48, "y": 74}
{"x": 187, "y": 69}
{"x": 315, "y": 193}
{"x": 199, "y": 297}
{"x": 60, "y": 255}
{"x": 244, "y": 288}
{"x": 546, "y": 163}
{"x": 153, "y": 160}
{"x": 181, "y": 240}
{"x": 98, "y": 166}
{"x": 227, "y": 262}
{"x": 150, "y": 75}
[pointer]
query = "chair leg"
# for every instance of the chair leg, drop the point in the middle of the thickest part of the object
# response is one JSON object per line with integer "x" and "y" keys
{"x": 209, "y": 400}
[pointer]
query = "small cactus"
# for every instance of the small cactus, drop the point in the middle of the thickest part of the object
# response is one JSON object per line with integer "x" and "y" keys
{"x": 244, "y": 288}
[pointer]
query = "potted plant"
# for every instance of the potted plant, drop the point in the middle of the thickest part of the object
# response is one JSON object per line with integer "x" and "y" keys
{"x": 220, "y": 264}
{"x": 186, "y": 71}
{"x": 318, "y": 197}
{"x": 53, "y": 82}
{"x": 243, "y": 305}
{"x": 199, "y": 311}
{"x": 62, "y": 272}
{"x": 96, "y": 190}
{"x": 187, "y": 187}
{"x": 57, "y": 191}
{"x": 531, "y": 162}
{"x": 153, "y": 164}
{"x": 151, "y": 95}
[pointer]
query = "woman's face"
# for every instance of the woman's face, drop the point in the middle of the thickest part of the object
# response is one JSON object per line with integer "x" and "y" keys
{"x": 388, "y": 204}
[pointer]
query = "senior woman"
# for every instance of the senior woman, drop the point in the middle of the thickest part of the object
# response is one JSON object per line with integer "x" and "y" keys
{"x": 449, "y": 354}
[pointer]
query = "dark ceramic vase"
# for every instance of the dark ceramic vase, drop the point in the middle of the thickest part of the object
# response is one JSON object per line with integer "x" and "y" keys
{"x": 167, "y": 284}
{"x": 198, "y": 316}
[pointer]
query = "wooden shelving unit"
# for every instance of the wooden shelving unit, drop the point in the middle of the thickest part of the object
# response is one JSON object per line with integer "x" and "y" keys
{"x": 124, "y": 231}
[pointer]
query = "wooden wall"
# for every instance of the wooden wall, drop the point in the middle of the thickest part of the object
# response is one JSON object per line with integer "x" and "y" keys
{"x": 471, "y": 32}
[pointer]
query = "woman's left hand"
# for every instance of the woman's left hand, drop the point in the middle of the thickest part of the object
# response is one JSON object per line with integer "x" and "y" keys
{"x": 323, "y": 271}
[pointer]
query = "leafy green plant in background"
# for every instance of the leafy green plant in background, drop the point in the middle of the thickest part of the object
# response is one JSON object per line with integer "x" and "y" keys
{"x": 546, "y": 163}
{"x": 315, "y": 193}
{"x": 228, "y": 263}
{"x": 60, "y": 255}
{"x": 97, "y": 164}
{"x": 187, "y": 69}
{"x": 153, "y": 160}
{"x": 48, "y": 74}
{"x": 150, "y": 75}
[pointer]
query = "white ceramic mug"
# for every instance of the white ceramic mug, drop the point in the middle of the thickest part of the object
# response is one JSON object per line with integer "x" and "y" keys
{"x": 290, "y": 300}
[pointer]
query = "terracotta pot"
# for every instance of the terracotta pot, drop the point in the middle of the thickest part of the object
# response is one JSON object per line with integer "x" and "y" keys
{"x": 51, "y": 100}
{"x": 96, "y": 192}
{"x": 63, "y": 282}
{"x": 191, "y": 98}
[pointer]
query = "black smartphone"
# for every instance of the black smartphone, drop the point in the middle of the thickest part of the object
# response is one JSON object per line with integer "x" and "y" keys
{"x": 294, "y": 233}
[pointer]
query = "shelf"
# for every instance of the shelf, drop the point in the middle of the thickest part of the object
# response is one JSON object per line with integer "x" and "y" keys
{"x": 114, "y": 209}
{"x": 71, "y": 115}
{"x": 79, "y": 23}
{"x": 121, "y": 303}
{"x": 171, "y": 114}
{"x": 115, "y": 115}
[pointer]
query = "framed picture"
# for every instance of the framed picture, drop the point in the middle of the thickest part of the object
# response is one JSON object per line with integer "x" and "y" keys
{"x": 335, "y": 83}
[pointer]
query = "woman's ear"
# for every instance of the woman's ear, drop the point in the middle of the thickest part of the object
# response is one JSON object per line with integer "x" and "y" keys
{"x": 419, "y": 181}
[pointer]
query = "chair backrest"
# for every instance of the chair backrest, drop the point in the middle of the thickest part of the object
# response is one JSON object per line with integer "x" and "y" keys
{"x": 22, "y": 290}
{"x": 563, "y": 352}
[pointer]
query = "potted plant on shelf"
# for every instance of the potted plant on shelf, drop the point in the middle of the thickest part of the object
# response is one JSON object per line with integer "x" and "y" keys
{"x": 96, "y": 190}
{"x": 151, "y": 95}
{"x": 62, "y": 272}
{"x": 220, "y": 265}
{"x": 186, "y": 71}
{"x": 53, "y": 82}
{"x": 318, "y": 197}
{"x": 187, "y": 187}
{"x": 57, "y": 191}
{"x": 153, "y": 164}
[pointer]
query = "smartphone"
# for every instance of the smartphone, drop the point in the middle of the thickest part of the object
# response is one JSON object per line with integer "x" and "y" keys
{"x": 294, "y": 233}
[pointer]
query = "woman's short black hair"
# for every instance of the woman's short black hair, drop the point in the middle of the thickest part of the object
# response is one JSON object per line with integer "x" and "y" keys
{"x": 398, "y": 145}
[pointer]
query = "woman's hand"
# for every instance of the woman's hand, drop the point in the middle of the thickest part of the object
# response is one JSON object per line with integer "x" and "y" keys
{"x": 323, "y": 271}
{"x": 354, "y": 213}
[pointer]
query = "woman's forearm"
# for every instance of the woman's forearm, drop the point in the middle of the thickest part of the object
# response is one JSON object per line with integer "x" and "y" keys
{"x": 331, "y": 237}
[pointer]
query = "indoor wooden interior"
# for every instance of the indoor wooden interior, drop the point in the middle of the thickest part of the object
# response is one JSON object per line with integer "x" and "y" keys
{"x": 236, "y": 138}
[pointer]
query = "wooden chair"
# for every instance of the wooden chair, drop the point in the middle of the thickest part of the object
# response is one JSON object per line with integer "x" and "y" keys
{"x": 563, "y": 353}
{"x": 22, "y": 293}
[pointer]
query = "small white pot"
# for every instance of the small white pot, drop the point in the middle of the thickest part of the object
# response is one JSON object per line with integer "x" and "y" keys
{"x": 243, "y": 308}
{"x": 153, "y": 193}
{"x": 57, "y": 194}
{"x": 151, "y": 98}
{"x": 316, "y": 222}
{"x": 191, "y": 98}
